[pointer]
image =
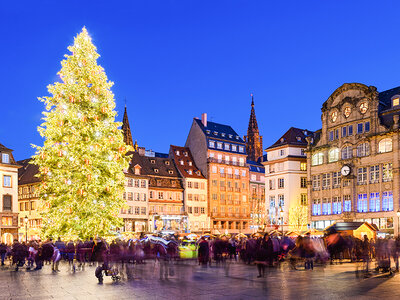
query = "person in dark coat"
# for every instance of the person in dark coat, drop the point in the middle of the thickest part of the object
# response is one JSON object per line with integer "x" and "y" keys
{"x": 265, "y": 252}
{"x": 203, "y": 252}
{"x": 3, "y": 252}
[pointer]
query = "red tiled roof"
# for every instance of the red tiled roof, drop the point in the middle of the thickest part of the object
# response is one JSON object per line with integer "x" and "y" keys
{"x": 184, "y": 162}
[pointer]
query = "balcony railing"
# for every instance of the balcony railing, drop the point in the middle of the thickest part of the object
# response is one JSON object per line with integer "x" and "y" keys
{"x": 226, "y": 162}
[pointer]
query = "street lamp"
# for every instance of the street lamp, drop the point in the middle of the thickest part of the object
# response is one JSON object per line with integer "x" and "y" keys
{"x": 398, "y": 222}
{"x": 281, "y": 214}
{"x": 26, "y": 228}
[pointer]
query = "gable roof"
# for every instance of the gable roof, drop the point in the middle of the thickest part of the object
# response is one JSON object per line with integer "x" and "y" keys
{"x": 223, "y": 132}
{"x": 165, "y": 166}
{"x": 385, "y": 97}
{"x": 26, "y": 174}
{"x": 344, "y": 226}
{"x": 294, "y": 136}
{"x": 184, "y": 162}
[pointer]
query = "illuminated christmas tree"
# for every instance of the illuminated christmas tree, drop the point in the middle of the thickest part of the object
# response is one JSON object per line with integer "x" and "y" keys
{"x": 83, "y": 157}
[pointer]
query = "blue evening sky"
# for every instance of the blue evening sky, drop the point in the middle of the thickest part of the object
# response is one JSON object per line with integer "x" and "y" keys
{"x": 173, "y": 60}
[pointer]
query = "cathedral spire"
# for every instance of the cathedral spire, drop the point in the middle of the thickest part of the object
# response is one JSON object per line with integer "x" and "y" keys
{"x": 253, "y": 138}
{"x": 126, "y": 129}
{"x": 253, "y": 126}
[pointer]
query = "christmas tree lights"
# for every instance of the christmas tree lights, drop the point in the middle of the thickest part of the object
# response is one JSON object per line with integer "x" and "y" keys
{"x": 83, "y": 157}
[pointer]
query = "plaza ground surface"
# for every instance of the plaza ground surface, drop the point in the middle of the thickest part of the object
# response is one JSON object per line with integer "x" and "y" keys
{"x": 189, "y": 281}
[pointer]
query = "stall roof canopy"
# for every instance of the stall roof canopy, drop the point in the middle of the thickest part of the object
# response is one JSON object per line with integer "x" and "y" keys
{"x": 343, "y": 226}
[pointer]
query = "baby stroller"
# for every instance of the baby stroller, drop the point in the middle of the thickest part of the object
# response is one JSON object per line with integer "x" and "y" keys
{"x": 106, "y": 270}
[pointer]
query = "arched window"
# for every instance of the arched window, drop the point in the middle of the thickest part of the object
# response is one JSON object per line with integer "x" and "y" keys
{"x": 317, "y": 159}
{"x": 385, "y": 145}
{"x": 363, "y": 149}
{"x": 347, "y": 152}
{"x": 333, "y": 155}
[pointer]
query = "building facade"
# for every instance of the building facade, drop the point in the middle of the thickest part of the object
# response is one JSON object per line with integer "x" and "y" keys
{"x": 353, "y": 161}
{"x": 195, "y": 189}
{"x": 136, "y": 212}
{"x": 286, "y": 178}
{"x": 9, "y": 196}
{"x": 28, "y": 201}
{"x": 220, "y": 154}
{"x": 166, "y": 211}
{"x": 258, "y": 220}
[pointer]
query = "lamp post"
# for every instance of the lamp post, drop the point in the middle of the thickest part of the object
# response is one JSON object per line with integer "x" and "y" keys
{"x": 398, "y": 222}
{"x": 26, "y": 228}
{"x": 281, "y": 213}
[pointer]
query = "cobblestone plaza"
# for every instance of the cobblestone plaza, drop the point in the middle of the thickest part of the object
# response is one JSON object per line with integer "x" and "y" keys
{"x": 234, "y": 281}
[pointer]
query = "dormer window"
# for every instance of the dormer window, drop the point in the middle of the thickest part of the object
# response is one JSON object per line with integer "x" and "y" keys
{"x": 185, "y": 153}
{"x": 396, "y": 101}
{"x": 208, "y": 131}
{"x": 230, "y": 136}
{"x": 170, "y": 172}
{"x": 137, "y": 170}
{"x": 153, "y": 161}
{"x": 215, "y": 133}
{"x": 223, "y": 134}
{"x": 177, "y": 152}
{"x": 298, "y": 139}
{"x": 282, "y": 140}
{"x": 156, "y": 170}
{"x": 237, "y": 137}
{"x": 5, "y": 158}
{"x": 190, "y": 172}
{"x": 181, "y": 162}
{"x": 167, "y": 162}
{"x": 190, "y": 163}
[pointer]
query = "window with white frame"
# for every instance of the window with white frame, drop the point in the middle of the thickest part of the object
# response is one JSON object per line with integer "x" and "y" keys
{"x": 347, "y": 152}
{"x": 227, "y": 147}
{"x": 374, "y": 174}
{"x": 219, "y": 145}
{"x": 316, "y": 182}
{"x": 211, "y": 144}
{"x": 6, "y": 181}
{"x": 241, "y": 149}
{"x": 374, "y": 202}
{"x": 214, "y": 169}
{"x": 362, "y": 175}
{"x": 362, "y": 203}
{"x": 326, "y": 181}
{"x": 363, "y": 149}
{"x": 385, "y": 145}
{"x": 336, "y": 180}
{"x": 317, "y": 159}
{"x": 347, "y": 203}
{"x": 281, "y": 183}
{"x": 272, "y": 184}
{"x": 387, "y": 172}
{"x": 336, "y": 205}
{"x": 5, "y": 158}
{"x": 234, "y": 148}
{"x": 333, "y": 155}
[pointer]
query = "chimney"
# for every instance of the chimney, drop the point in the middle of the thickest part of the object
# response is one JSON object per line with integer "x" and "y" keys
{"x": 142, "y": 151}
{"x": 204, "y": 119}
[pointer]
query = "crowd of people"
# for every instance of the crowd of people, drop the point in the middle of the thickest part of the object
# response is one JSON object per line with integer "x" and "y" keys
{"x": 265, "y": 251}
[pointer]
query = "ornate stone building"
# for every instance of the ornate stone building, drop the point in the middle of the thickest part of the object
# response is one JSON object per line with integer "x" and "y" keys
{"x": 254, "y": 143}
{"x": 220, "y": 154}
{"x": 353, "y": 161}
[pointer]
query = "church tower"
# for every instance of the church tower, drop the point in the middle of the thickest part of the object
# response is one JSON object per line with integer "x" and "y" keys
{"x": 253, "y": 139}
{"x": 126, "y": 129}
